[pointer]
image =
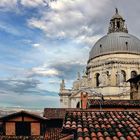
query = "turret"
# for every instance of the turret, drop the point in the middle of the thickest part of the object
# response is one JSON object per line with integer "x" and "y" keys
{"x": 64, "y": 95}
{"x": 62, "y": 85}
{"x": 117, "y": 24}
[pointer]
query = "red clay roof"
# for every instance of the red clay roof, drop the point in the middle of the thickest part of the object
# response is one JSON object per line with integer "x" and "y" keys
{"x": 103, "y": 125}
{"x": 114, "y": 103}
{"x": 56, "y": 113}
{"x": 59, "y": 113}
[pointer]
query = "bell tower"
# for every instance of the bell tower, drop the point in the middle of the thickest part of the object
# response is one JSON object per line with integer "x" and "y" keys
{"x": 117, "y": 24}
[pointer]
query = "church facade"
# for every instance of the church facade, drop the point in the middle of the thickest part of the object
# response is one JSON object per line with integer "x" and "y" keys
{"x": 113, "y": 60}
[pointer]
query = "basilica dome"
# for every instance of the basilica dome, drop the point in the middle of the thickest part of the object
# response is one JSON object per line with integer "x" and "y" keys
{"x": 113, "y": 60}
{"x": 117, "y": 40}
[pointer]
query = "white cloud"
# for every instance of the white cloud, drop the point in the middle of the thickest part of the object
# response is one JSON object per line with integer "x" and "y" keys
{"x": 9, "y": 29}
{"x": 71, "y": 19}
{"x": 34, "y": 3}
{"x": 29, "y": 100}
{"x": 36, "y": 45}
{"x": 7, "y": 4}
{"x": 43, "y": 71}
{"x": 54, "y": 82}
{"x": 4, "y": 3}
{"x": 13, "y": 4}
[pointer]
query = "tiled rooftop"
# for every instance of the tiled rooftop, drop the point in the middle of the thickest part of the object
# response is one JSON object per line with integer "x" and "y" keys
{"x": 103, "y": 125}
{"x": 115, "y": 103}
{"x": 54, "y": 134}
{"x": 56, "y": 113}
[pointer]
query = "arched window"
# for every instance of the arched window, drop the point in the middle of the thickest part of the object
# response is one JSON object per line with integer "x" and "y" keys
{"x": 78, "y": 105}
{"x": 126, "y": 43}
{"x": 124, "y": 75}
{"x": 108, "y": 77}
{"x": 113, "y": 25}
{"x": 97, "y": 79}
{"x": 133, "y": 74}
{"x": 118, "y": 24}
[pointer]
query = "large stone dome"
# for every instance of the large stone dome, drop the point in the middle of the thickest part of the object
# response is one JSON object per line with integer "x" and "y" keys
{"x": 116, "y": 42}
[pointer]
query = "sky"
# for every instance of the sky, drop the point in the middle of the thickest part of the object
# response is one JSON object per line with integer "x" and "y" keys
{"x": 45, "y": 41}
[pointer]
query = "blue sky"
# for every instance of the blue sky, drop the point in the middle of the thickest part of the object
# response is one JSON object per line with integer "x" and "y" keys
{"x": 45, "y": 41}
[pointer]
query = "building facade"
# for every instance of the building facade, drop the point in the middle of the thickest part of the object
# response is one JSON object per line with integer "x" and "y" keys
{"x": 23, "y": 125}
{"x": 113, "y": 59}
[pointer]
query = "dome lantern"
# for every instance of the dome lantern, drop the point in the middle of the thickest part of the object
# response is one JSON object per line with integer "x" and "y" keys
{"x": 117, "y": 24}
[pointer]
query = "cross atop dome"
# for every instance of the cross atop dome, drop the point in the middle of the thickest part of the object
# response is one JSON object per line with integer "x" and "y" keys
{"x": 116, "y": 10}
{"x": 117, "y": 23}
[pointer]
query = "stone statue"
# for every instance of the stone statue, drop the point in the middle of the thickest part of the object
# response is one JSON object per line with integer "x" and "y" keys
{"x": 62, "y": 85}
{"x": 102, "y": 79}
{"x": 120, "y": 78}
{"x": 78, "y": 76}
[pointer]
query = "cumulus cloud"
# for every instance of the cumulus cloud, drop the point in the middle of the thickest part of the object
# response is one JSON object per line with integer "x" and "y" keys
{"x": 60, "y": 53}
{"x": 34, "y": 3}
{"x": 28, "y": 101}
{"x": 4, "y": 3}
{"x": 73, "y": 19}
{"x": 7, "y": 4}
{"x": 44, "y": 71}
{"x": 69, "y": 71}
{"x": 18, "y": 85}
{"x": 26, "y": 93}
{"x": 23, "y": 87}
{"x": 61, "y": 70}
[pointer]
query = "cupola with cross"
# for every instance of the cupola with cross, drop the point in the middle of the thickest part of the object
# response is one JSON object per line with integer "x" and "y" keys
{"x": 117, "y": 24}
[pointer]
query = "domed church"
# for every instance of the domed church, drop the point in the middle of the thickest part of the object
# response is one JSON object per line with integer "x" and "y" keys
{"x": 113, "y": 60}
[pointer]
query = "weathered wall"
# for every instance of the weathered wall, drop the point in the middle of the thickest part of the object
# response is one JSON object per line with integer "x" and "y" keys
{"x": 35, "y": 129}
{"x": 10, "y": 128}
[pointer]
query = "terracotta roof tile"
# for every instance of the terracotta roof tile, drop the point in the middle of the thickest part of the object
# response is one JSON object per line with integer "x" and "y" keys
{"x": 103, "y": 125}
{"x": 114, "y": 103}
{"x": 56, "y": 113}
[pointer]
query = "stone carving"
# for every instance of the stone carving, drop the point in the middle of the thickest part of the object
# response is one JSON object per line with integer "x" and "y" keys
{"x": 103, "y": 79}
